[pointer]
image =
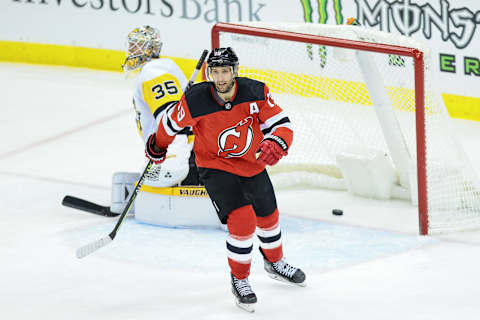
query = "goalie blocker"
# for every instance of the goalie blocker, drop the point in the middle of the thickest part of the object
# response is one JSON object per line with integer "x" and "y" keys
{"x": 185, "y": 205}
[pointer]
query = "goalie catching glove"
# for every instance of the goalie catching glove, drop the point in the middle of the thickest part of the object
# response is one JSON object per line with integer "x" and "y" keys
{"x": 272, "y": 149}
{"x": 154, "y": 152}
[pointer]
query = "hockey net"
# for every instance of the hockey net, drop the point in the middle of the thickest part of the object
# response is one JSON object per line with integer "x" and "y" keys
{"x": 354, "y": 92}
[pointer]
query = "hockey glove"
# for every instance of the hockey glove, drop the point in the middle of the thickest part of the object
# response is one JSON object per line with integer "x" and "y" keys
{"x": 272, "y": 150}
{"x": 153, "y": 152}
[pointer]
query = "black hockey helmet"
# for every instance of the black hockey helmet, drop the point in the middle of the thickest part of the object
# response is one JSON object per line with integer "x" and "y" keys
{"x": 221, "y": 57}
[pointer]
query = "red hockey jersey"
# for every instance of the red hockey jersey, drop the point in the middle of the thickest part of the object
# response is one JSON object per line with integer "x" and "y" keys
{"x": 227, "y": 134}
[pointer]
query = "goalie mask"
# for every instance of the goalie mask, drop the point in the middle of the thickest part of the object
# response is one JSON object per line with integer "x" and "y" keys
{"x": 222, "y": 57}
{"x": 143, "y": 44}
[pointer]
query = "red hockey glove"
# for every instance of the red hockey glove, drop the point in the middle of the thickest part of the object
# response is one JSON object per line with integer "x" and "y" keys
{"x": 153, "y": 152}
{"x": 272, "y": 150}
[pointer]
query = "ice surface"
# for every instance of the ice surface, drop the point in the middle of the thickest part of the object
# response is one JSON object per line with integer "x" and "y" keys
{"x": 65, "y": 131}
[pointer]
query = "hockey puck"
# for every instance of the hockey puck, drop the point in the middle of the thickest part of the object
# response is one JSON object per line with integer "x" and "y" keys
{"x": 337, "y": 212}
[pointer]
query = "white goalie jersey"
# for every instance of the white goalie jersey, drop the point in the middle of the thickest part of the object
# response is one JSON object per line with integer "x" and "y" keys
{"x": 160, "y": 83}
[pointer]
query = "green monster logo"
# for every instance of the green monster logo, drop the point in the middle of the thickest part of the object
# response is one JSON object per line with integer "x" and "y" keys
{"x": 322, "y": 11}
{"x": 322, "y": 18}
{"x": 308, "y": 11}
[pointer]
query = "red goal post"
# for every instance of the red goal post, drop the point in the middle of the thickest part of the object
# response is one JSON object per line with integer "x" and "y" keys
{"x": 375, "y": 46}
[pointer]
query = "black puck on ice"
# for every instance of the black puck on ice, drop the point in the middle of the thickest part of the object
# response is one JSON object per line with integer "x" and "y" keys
{"x": 337, "y": 212}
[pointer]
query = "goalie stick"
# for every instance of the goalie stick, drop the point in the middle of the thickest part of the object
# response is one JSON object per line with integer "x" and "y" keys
{"x": 84, "y": 205}
{"x": 95, "y": 245}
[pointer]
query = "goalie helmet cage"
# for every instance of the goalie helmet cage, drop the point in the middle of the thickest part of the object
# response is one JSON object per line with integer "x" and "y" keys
{"x": 349, "y": 87}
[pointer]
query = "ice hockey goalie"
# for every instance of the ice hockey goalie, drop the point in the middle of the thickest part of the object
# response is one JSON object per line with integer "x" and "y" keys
{"x": 171, "y": 194}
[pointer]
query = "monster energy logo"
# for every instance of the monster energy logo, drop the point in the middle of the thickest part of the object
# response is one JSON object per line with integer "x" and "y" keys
{"x": 322, "y": 18}
{"x": 322, "y": 11}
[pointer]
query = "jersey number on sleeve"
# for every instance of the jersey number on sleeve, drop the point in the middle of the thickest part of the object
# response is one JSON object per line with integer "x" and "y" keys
{"x": 161, "y": 89}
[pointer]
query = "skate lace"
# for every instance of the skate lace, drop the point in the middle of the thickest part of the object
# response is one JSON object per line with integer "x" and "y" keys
{"x": 154, "y": 172}
{"x": 284, "y": 268}
{"x": 242, "y": 286}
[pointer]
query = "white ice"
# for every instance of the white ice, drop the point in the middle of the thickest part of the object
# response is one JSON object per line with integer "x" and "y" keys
{"x": 65, "y": 131}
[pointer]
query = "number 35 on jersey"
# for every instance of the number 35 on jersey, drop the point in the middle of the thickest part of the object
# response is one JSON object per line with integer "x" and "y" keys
{"x": 161, "y": 90}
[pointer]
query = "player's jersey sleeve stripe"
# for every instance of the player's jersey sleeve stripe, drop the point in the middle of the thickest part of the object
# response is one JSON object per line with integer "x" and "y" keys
{"x": 170, "y": 125}
{"x": 166, "y": 127}
{"x": 171, "y": 128}
{"x": 172, "y": 122}
{"x": 284, "y": 122}
{"x": 271, "y": 120}
{"x": 163, "y": 107}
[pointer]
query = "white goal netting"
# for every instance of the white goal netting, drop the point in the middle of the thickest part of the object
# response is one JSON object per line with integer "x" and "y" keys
{"x": 339, "y": 99}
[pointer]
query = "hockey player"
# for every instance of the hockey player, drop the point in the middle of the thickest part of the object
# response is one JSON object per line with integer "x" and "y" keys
{"x": 233, "y": 118}
{"x": 159, "y": 84}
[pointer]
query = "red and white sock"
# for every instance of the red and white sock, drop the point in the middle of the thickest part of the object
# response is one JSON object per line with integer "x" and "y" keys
{"x": 241, "y": 228}
{"x": 270, "y": 236}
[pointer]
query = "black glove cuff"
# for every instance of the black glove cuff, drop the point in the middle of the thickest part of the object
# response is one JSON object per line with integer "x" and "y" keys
{"x": 151, "y": 148}
{"x": 279, "y": 141}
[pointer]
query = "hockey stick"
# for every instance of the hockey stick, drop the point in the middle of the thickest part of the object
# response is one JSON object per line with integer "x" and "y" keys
{"x": 93, "y": 246}
{"x": 84, "y": 205}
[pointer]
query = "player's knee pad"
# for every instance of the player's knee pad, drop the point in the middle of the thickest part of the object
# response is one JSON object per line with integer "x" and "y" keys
{"x": 123, "y": 184}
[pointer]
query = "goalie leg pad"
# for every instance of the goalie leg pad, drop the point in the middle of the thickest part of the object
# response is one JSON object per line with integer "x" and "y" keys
{"x": 184, "y": 206}
{"x": 123, "y": 184}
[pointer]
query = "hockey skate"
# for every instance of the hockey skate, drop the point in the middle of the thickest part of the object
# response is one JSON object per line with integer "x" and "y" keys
{"x": 284, "y": 272}
{"x": 245, "y": 298}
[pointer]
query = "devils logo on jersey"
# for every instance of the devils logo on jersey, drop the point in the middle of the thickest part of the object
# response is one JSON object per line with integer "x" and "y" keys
{"x": 237, "y": 140}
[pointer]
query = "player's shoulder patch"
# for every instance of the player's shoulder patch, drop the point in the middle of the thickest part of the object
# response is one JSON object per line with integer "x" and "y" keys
{"x": 249, "y": 89}
{"x": 200, "y": 101}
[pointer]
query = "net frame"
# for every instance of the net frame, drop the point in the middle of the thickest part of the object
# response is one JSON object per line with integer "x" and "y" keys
{"x": 419, "y": 86}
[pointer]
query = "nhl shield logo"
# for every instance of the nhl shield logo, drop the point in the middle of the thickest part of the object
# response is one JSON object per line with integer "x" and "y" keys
{"x": 237, "y": 140}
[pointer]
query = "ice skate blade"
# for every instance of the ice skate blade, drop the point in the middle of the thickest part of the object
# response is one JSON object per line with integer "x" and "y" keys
{"x": 278, "y": 278}
{"x": 249, "y": 307}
